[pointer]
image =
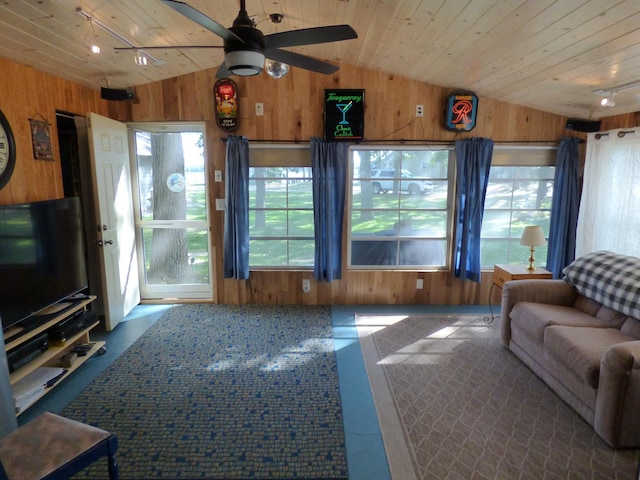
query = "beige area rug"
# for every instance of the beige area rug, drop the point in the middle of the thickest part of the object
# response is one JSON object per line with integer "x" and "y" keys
{"x": 453, "y": 403}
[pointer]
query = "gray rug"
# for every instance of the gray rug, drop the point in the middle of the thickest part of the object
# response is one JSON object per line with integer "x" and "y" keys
{"x": 214, "y": 391}
{"x": 454, "y": 404}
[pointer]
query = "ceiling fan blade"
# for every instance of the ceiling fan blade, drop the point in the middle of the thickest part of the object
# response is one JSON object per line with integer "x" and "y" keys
{"x": 166, "y": 47}
{"x": 309, "y": 36}
{"x": 223, "y": 71}
{"x": 301, "y": 61}
{"x": 202, "y": 20}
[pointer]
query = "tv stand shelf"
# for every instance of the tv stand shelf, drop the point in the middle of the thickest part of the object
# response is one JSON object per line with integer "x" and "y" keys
{"x": 53, "y": 355}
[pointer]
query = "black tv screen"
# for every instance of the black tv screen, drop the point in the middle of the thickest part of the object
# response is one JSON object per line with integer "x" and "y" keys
{"x": 42, "y": 257}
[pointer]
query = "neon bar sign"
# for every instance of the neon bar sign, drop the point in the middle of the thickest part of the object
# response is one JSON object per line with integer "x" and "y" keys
{"x": 344, "y": 115}
{"x": 461, "y": 112}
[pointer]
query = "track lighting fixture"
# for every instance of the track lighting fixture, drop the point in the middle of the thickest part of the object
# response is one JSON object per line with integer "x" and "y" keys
{"x": 139, "y": 56}
{"x": 609, "y": 95}
{"x": 141, "y": 59}
{"x": 608, "y": 101}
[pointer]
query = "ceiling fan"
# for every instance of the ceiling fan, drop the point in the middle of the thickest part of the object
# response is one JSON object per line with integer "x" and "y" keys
{"x": 245, "y": 47}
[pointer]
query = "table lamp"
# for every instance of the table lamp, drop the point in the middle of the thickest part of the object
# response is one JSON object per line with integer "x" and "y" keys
{"x": 532, "y": 237}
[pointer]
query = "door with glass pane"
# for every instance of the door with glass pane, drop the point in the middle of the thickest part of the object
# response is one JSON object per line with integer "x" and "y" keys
{"x": 172, "y": 226}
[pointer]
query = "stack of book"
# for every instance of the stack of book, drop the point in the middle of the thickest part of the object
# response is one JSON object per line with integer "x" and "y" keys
{"x": 32, "y": 387}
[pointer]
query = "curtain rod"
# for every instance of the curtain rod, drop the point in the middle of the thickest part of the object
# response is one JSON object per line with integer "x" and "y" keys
{"x": 403, "y": 141}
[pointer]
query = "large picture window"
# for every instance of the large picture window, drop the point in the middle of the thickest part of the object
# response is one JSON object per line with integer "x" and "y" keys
{"x": 400, "y": 205}
{"x": 281, "y": 231}
{"x": 519, "y": 193}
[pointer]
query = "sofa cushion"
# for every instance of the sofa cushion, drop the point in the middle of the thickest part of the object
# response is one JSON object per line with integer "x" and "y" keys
{"x": 631, "y": 327}
{"x": 533, "y": 318}
{"x": 613, "y": 318}
{"x": 608, "y": 278}
{"x": 586, "y": 305}
{"x": 581, "y": 349}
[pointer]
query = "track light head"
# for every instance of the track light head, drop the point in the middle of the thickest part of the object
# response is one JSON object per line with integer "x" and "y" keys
{"x": 608, "y": 101}
{"x": 140, "y": 59}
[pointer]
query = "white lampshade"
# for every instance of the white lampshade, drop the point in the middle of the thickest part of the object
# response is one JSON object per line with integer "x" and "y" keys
{"x": 244, "y": 62}
{"x": 533, "y": 236}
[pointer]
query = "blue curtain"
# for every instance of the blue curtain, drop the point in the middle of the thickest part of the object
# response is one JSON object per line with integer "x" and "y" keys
{"x": 329, "y": 163}
{"x": 473, "y": 160}
{"x": 236, "y": 216}
{"x": 564, "y": 208}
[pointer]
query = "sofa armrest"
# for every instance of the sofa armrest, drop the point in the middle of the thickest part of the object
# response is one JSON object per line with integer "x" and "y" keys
{"x": 617, "y": 416}
{"x": 552, "y": 292}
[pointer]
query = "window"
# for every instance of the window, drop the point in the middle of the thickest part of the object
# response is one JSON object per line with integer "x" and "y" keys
{"x": 280, "y": 207}
{"x": 519, "y": 193}
{"x": 400, "y": 205}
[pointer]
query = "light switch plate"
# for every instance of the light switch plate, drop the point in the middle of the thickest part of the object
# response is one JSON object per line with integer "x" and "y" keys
{"x": 220, "y": 205}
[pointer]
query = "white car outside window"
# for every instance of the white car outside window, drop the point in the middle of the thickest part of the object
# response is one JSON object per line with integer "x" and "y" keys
{"x": 383, "y": 181}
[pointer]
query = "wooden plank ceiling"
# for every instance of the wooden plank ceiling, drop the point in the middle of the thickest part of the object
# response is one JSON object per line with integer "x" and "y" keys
{"x": 546, "y": 54}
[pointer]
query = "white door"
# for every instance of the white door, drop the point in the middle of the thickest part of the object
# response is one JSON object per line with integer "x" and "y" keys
{"x": 111, "y": 178}
{"x": 171, "y": 214}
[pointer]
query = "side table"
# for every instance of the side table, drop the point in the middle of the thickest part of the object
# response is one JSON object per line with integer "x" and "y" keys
{"x": 503, "y": 273}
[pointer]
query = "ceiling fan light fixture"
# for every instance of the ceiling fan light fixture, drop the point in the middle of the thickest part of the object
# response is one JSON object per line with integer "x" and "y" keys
{"x": 244, "y": 63}
{"x": 246, "y": 47}
{"x": 276, "y": 69}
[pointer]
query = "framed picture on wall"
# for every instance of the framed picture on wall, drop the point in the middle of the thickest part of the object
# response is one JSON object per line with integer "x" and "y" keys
{"x": 41, "y": 140}
{"x": 344, "y": 115}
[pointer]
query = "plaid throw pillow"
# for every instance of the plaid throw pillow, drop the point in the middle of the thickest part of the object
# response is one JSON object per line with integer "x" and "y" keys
{"x": 608, "y": 278}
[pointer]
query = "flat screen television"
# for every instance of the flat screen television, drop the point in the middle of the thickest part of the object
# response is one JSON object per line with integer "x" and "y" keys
{"x": 42, "y": 258}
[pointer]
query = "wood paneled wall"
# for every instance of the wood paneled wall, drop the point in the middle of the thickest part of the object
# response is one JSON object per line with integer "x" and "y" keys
{"x": 29, "y": 93}
{"x": 628, "y": 120}
{"x": 292, "y": 112}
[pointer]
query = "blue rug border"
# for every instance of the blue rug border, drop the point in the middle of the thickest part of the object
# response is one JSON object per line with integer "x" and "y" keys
{"x": 366, "y": 455}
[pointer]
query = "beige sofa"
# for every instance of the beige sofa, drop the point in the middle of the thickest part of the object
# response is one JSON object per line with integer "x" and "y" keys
{"x": 581, "y": 335}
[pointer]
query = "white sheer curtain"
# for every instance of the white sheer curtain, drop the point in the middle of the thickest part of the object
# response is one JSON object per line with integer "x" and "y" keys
{"x": 609, "y": 217}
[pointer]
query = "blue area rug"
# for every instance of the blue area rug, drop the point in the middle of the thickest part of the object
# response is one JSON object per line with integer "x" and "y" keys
{"x": 213, "y": 391}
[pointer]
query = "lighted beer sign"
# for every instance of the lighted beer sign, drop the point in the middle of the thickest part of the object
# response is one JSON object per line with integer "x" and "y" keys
{"x": 225, "y": 93}
{"x": 344, "y": 115}
{"x": 461, "y": 111}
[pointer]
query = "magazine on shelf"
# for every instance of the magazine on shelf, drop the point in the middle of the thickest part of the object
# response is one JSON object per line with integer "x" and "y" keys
{"x": 30, "y": 388}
